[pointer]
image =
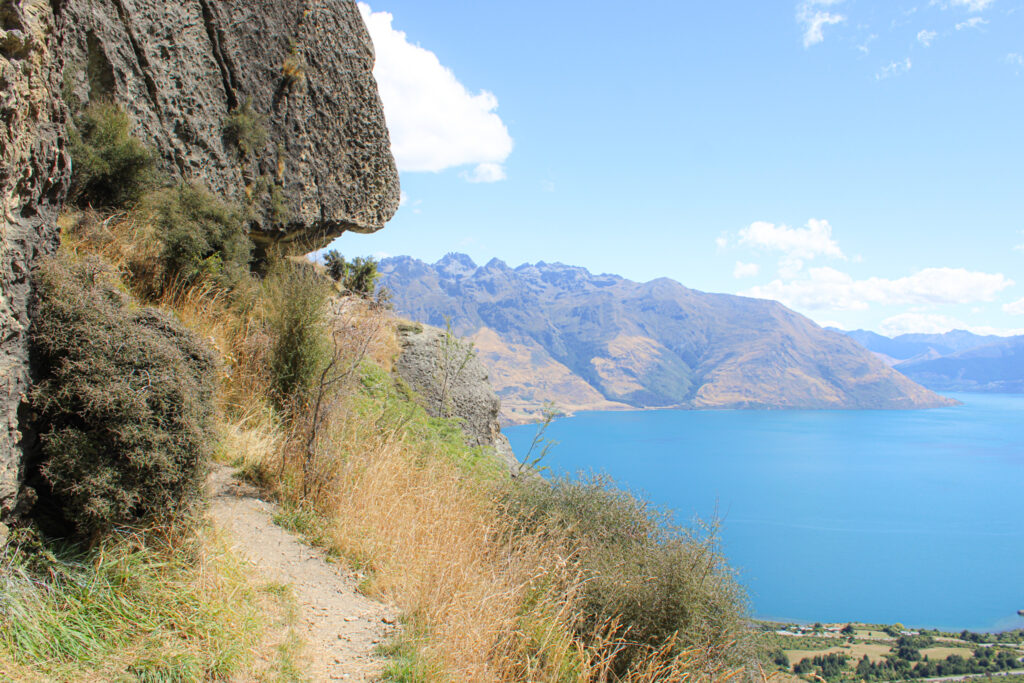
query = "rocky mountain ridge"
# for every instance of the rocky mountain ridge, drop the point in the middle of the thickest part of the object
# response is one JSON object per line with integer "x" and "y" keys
{"x": 586, "y": 341}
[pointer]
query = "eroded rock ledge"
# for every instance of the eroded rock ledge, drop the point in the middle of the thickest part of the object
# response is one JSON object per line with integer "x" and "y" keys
{"x": 304, "y": 67}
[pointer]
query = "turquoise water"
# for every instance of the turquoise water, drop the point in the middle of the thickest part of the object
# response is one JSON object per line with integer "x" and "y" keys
{"x": 878, "y": 516}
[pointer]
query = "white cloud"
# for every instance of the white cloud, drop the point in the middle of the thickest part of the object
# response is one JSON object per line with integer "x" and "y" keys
{"x": 971, "y": 5}
{"x": 745, "y": 269}
{"x": 894, "y": 69}
{"x": 927, "y": 323}
{"x": 814, "y": 19}
{"x": 828, "y": 288}
{"x": 434, "y": 121}
{"x": 973, "y": 22}
{"x": 919, "y": 323}
{"x": 403, "y": 198}
{"x": 926, "y": 37}
{"x": 1015, "y": 308}
{"x": 485, "y": 173}
{"x": 815, "y": 239}
{"x": 722, "y": 242}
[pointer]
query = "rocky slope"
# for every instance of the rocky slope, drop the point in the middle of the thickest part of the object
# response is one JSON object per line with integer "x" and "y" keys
{"x": 551, "y": 331}
{"x": 179, "y": 69}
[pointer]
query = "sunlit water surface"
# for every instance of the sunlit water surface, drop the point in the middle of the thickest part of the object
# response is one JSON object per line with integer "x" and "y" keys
{"x": 878, "y": 516}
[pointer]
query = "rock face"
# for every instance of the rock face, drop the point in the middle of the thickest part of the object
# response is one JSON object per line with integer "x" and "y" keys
{"x": 319, "y": 161}
{"x": 305, "y": 69}
{"x": 445, "y": 370}
{"x": 548, "y": 331}
{"x": 34, "y": 173}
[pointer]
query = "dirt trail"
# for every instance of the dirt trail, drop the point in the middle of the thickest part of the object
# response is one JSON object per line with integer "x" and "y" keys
{"x": 341, "y": 627}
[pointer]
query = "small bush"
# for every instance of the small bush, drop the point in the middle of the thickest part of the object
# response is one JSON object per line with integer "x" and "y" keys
{"x": 299, "y": 350}
{"x": 201, "y": 235}
{"x": 359, "y": 276}
{"x": 244, "y": 129}
{"x": 110, "y": 168}
{"x": 124, "y": 403}
{"x": 654, "y": 579}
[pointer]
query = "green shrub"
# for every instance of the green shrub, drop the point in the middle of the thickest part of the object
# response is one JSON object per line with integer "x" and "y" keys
{"x": 201, "y": 235}
{"x": 655, "y": 578}
{"x": 110, "y": 168}
{"x": 244, "y": 129}
{"x": 359, "y": 276}
{"x": 123, "y": 405}
{"x": 299, "y": 347}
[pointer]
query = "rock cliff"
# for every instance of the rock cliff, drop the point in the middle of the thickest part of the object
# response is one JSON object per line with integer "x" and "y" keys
{"x": 317, "y": 162}
{"x": 34, "y": 173}
{"x": 305, "y": 70}
{"x": 446, "y": 371}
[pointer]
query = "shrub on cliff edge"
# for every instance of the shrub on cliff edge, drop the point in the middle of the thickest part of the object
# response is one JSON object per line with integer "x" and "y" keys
{"x": 123, "y": 406}
{"x": 110, "y": 168}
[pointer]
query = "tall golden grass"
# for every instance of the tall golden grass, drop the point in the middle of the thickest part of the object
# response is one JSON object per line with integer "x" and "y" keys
{"x": 415, "y": 513}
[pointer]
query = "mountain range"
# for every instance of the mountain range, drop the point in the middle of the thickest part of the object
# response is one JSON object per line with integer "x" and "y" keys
{"x": 953, "y": 361}
{"x": 548, "y": 331}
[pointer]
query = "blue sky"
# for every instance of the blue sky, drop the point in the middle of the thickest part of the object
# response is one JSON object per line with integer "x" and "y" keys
{"x": 860, "y": 161}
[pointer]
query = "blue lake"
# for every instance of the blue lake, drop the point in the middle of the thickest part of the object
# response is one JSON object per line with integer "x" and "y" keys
{"x": 877, "y": 516}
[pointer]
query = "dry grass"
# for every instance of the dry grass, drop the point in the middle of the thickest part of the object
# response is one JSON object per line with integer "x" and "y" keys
{"x": 399, "y": 495}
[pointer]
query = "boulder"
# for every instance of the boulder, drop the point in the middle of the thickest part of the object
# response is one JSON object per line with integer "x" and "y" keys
{"x": 446, "y": 372}
{"x": 322, "y": 164}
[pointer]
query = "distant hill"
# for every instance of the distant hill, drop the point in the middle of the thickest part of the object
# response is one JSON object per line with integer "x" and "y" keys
{"x": 954, "y": 361}
{"x": 551, "y": 331}
{"x": 919, "y": 346}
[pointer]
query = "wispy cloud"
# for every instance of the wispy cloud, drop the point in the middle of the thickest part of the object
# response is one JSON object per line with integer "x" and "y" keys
{"x": 828, "y": 288}
{"x": 894, "y": 69}
{"x": 973, "y": 22}
{"x": 926, "y": 37}
{"x": 969, "y": 5}
{"x": 434, "y": 121}
{"x": 742, "y": 270}
{"x": 1015, "y": 308}
{"x": 814, "y": 16}
{"x": 931, "y": 323}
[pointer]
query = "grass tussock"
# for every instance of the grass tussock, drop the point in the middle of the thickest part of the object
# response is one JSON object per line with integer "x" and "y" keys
{"x": 158, "y": 605}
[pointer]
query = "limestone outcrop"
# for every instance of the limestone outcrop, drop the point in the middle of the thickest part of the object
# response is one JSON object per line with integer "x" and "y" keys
{"x": 321, "y": 162}
{"x": 447, "y": 373}
{"x": 34, "y": 174}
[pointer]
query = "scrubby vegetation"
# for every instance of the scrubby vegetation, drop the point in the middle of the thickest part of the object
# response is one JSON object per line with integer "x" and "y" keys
{"x": 111, "y": 168}
{"x": 358, "y": 276}
{"x": 124, "y": 405}
{"x": 499, "y": 579}
{"x": 244, "y": 128}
